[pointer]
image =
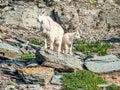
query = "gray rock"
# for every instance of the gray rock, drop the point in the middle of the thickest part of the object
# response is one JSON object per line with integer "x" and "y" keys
{"x": 29, "y": 17}
{"x": 56, "y": 79}
{"x": 67, "y": 17}
{"x": 79, "y": 55}
{"x": 12, "y": 17}
{"x": 59, "y": 58}
{"x": 100, "y": 64}
{"x": 9, "y": 51}
{"x": 12, "y": 63}
{"x": 109, "y": 17}
{"x": 107, "y": 58}
{"x": 10, "y": 66}
{"x": 9, "y": 47}
{"x": 33, "y": 87}
{"x": 22, "y": 16}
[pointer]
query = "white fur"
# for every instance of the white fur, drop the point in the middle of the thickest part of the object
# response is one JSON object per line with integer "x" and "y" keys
{"x": 52, "y": 32}
{"x": 67, "y": 42}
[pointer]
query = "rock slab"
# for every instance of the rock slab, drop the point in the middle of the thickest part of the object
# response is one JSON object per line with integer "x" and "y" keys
{"x": 101, "y": 64}
{"x": 56, "y": 79}
{"x": 9, "y": 50}
{"x": 36, "y": 75}
{"x": 59, "y": 58}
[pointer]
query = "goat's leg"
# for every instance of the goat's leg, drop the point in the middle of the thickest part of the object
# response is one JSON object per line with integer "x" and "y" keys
{"x": 66, "y": 49}
{"x": 70, "y": 50}
{"x": 51, "y": 45}
{"x": 59, "y": 42}
{"x": 62, "y": 49}
{"x": 45, "y": 41}
{"x": 59, "y": 47}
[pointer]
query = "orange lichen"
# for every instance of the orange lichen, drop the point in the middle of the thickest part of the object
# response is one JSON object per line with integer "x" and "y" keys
{"x": 33, "y": 69}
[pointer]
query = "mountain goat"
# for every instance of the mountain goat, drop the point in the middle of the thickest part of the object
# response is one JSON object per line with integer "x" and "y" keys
{"x": 67, "y": 41}
{"x": 52, "y": 32}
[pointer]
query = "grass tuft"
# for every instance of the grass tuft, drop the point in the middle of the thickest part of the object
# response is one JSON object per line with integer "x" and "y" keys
{"x": 28, "y": 57}
{"x": 35, "y": 41}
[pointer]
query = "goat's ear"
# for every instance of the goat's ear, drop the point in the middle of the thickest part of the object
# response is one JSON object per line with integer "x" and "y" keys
{"x": 41, "y": 12}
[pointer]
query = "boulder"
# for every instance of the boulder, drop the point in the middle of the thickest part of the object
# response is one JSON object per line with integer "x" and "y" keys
{"x": 22, "y": 16}
{"x": 101, "y": 64}
{"x": 9, "y": 51}
{"x": 36, "y": 75}
{"x": 29, "y": 17}
{"x": 67, "y": 17}
{"x": 109, "y": 17}
{"x": 58, "y": 58}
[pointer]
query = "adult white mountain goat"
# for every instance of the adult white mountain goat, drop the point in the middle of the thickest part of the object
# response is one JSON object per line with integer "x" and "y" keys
{"x": 67, "y": 41}
{"x": 52, "y": 32}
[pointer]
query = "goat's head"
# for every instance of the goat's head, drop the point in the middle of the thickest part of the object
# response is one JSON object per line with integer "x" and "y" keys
{"x": 41, "y": 16}
{"x": 76, "y": 35}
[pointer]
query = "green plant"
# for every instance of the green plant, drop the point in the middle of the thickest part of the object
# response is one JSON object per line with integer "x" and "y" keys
{"x": 81, "y": 79}
{"x": 35, "y": 41}
{"x": 95, "y": 3}
{"x": 93, "y": 47}
{"x": 113, "y": 87}
{"x": 28, "y": 57}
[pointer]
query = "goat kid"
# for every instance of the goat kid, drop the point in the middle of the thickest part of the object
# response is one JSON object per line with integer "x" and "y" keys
{"x": 67, "y": 42}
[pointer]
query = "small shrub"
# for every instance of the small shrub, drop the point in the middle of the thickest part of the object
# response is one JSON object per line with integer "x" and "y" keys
{"x": 28, "y": 57}
{"x": 113, "y": 87}
{"x": 81, "y": 79}
{"x": 35, "y": 41}
{"x": 93, "y": 47}
{"x": 95, "y": 3}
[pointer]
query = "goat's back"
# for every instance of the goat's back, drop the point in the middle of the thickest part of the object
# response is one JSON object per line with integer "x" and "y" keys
{"x": 55, "y": 27}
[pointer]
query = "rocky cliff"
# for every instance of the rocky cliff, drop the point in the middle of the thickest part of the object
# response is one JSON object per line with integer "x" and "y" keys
{"x": 96, "y": 19}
